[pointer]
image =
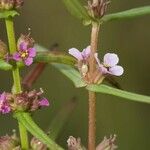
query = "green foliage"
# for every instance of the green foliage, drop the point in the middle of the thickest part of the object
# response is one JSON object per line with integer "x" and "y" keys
{"x": 119, "y": 93}
{"x": 127, "y": 14}
{"x": 5, "y": 66}
{"x": 71, "y": 73}
{"x": 77, "y": 10}
{"x": 74, "y": 76}
{"x": 26, "y": 120}
{"x": 45, "y": 56}
{"x": 8, "y": 13}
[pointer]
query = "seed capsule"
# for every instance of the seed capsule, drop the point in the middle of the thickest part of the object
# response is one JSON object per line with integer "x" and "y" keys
{"x": 84, "y": 70}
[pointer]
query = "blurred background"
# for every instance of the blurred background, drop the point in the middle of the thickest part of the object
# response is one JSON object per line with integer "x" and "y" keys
{"x": 51, "y": 23}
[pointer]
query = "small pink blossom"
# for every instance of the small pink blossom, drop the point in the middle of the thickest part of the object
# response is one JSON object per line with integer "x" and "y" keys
{"x": 4, "y": 106}
{"x": 25, "y": 53}
{"x": 80, "y": 56}
{"x": 109, "y": 65}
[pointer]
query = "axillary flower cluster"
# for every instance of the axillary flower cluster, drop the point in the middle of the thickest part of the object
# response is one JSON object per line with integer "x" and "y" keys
{"x": 25, "y": 101}
{"x": 109, "y": 65}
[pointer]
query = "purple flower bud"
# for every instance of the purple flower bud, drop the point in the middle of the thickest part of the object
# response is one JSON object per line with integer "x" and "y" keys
{"x": 26, "y": 52}
{"x": 4, "y": 105}
{"x": 44, "y": 102}
{"x": 109, "y": 65}
{"x": 80, "y": 56}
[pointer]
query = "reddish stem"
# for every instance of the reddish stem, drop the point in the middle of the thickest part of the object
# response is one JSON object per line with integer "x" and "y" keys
{"x": 92, "y": 95}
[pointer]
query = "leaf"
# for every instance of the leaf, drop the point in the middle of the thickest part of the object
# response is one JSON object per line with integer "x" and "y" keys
{"x": 76, "y": 9}
{"x": 45, "y": 56}
{"x": 8, "y": 13}
{"x": 119, "y": 93}
{"x": 61, "y": 118}
{"x": 74, "y": 75}
{"x": 71, "y": 73}
{"x": 26, "y": 120}
{"x": 4, "y": 65}
{"x": 127, "y": 14}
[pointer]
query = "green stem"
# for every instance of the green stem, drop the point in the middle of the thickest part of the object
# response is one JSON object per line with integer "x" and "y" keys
{"x": 16, "y": 77}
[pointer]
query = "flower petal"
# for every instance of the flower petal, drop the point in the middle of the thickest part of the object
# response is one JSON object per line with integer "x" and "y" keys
{"x": 116, "y": 70}
{"x": 32, "y": 52}
{"x": 111, "y": 59}
{"x": 86, "y": 52}
{"x": 3, "y": 96}
{"x": 16, "y": 57}
{"x": 97, "y": 59}
{"x": 23, "y": 46}
{"x": 5, "y": 109}
{"x": 28, "y": 61}
{"x": 44, "y": 102}
{"x": 76, "y": 53}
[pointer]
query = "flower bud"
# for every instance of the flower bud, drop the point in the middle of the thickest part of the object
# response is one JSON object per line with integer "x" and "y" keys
{"x": 9, "y": 142}
{"x": 25, "y": 39}
{"x": 18, "y": 3}
{"x": 107, "y": 143}
{"x": 74, "y": 144}
{"x": 10, "y": 4}
{"x": 98, "y": 9}
{"x": 6, "y": 4}
{"x": 3, "y": 49}
{"x": 37, "y": 144}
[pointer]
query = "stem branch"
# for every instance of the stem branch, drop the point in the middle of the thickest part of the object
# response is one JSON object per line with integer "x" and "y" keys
{"x": 16, "y": 77}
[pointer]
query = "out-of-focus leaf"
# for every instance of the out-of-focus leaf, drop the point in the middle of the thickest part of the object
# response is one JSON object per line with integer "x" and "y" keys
{"x": 61, "y": 118}
{"x": 71, "y": 73}
{"x": 119, "y": 93}
{"x": 26, "y": 120}
{"x": 5, "y": 66}
{"x": 48, "y": 57}
{"x": 127, "y": 14}
{"x": 8, "y": 13}
{"x": 76, "y": 9}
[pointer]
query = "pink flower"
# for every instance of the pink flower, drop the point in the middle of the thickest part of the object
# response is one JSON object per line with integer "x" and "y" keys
{"x": 4, "y": 106}
{"x": 25, "y": 53}
{"x": 44, "y": 102}
{"x": 80, "y": 56}
{"x": 109, "y": 65}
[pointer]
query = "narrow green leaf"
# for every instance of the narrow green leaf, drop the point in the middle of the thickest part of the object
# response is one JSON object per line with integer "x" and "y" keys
{"x": 8, "y": 13}
{"x": 74, "y": 76}
{"x": 48, "y": 57}
{"x": 128, "y": 14}
{"x": 76, "y": 9}
{"x": 120, "y": 93}
{"x": 26, "y": 120}
{"x": 5, "y": 66}
{"x": 60, "y": 119}
{"x": 71, "y": 73}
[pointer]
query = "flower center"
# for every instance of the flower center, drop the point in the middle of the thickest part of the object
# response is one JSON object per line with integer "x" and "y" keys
{"x": 24, "y": 54}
